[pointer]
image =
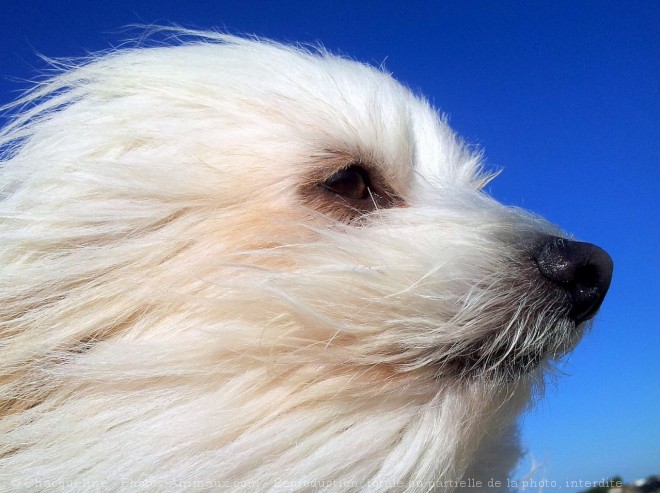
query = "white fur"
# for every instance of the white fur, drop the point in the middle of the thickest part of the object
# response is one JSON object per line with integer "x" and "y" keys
{"x": 173, "y": 316}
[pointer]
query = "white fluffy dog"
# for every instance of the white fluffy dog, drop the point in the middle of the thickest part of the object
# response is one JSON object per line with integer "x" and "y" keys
{"x": 231, "y": 265}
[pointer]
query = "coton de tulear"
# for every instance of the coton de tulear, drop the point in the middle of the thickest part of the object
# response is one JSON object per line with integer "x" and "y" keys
{"x": 232, "y": 265}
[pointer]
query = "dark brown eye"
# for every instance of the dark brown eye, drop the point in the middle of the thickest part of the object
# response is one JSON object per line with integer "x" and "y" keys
{"x": 351, "y": 182}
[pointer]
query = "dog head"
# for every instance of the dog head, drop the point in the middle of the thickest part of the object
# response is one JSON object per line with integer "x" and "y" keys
{"x": 276, "y": 254}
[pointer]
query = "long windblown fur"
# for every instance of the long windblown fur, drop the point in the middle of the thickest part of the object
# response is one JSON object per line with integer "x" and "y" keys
{"x": 181, "y": 305}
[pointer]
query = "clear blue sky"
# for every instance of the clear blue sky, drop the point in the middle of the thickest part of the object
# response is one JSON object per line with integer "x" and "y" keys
{"x": 565, "y": 96}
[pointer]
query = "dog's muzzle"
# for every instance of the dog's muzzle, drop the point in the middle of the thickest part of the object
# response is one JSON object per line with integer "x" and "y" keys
{"x": 582, "y": 270}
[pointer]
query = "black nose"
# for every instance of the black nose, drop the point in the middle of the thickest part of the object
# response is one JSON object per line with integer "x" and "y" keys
{"x": 582, "y": 269}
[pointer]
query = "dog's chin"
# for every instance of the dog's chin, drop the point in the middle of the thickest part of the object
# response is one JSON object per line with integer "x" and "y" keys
{"x": 506, "y": 369}
{"x": 503, "y": 364}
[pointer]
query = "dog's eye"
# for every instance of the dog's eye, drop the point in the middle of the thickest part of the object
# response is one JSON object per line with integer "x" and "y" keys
{"x": 351, "y": 182}
{"x": 347, "y": 188}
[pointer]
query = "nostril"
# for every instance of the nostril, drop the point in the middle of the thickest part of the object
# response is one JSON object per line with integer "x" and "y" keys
{"x": 587, "y": 275}
{"x": 583, "y": 270}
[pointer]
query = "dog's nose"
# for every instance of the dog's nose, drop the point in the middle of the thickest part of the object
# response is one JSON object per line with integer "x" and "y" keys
{"x": 582, "y": 269}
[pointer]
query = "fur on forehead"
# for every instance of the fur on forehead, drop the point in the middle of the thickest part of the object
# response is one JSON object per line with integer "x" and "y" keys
{"x": 294, "y": 103}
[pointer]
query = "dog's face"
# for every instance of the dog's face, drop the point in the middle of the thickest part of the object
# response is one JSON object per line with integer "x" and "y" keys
{"x": 277, "y": 255}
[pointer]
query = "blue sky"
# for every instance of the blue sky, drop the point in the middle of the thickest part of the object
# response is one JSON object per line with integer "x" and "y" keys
{"x": 565, "y": 96}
